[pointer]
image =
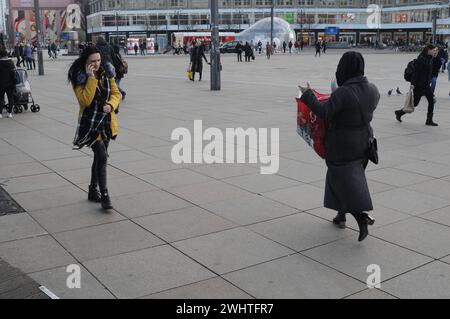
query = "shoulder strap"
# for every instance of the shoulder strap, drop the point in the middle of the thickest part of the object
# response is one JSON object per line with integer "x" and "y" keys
{"x": 363, "y": 114}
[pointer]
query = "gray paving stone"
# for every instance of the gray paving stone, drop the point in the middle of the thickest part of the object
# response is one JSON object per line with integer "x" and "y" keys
{"x": 382, "y": 215}
{"x": 259, "y": 183}
{"x": 299, "y": 232}
{"x": 66, "y": 164}
{"x": 409, "y": 202}
{"x": 16, "y": 158}
{"x": 371, "y": 294}
{"x": 143, "y": 204}
{"x": 306, "y": 173}
{"x": 215, "y": 288}
{"x": 56, "y": 281}
{"x": 106, "y": 240}
{"x": 18, "y": 226}
{"x": 353, "y": 258}
{"x": 125, "y": 185}
{"x": 302, "y": 197}
{"x": 9, "y": 170}
{"x": 50, "y": 198}
{"x": 427, "y": 168}
{"x": 446, "y": 259}
{"x": 231, "y": 250}
{"x": 127, "y": 156}
{"x": 175, "y": 178}
{"x": 410, "y": 233}
{"x": 294, "y": 277}
{"x": 396, "y": 177}
{"x": 83, "y": 175}
{"x": 184, "y": 223}
{"x": 249, "y": 209}
{"x": 34, "y": 183}
{"x": 436, "y": 187}
{"x": 441, "y": 216}
{"x": 146, "y": 166}
{"x": 35, "y": 254}
{"x": 208, "y": 192}
{"x": 221, "y": 171}
{"x": 144, "y": 272}
{"x": 431, "y": 281}
{"x": 70, "y": 217}
{"x": 53, "y": 153}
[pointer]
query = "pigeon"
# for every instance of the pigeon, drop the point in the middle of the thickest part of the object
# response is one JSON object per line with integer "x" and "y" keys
{"x": 390, "y": 92}
{"x": 398, "y": 91}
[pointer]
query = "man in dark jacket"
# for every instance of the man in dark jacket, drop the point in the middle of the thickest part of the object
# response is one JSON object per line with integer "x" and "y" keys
{"x": 422, "y": 83}
{"x": 7, "y": 82}
{"x": 198, "y": 53}
{"x": 107, "y": 53}
{"x": 248, "y": 52}
{"x": 348, "y": 114}
{"x": 239, "y": 49}
{"x": 318, "y": 48}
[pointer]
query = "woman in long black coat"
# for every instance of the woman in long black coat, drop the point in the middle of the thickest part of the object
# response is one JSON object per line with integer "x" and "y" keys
{"x": 198, "y": 52}
{"x": 348, "y": 114}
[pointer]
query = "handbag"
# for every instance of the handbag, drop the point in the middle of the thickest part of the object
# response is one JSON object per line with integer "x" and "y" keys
{"x": 310, "y": 127}
{"x": 409, "y": 103}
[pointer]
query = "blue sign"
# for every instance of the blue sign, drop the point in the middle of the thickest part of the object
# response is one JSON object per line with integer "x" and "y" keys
{"x": 332, "y": 30}
{"x": 64, "y": 36}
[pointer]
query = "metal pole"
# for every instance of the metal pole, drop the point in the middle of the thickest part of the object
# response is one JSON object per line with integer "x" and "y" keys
{"x": 37, "y": 13}
{"x": 434, "y": 25}
{"x": 272, "y": 9}
{"x": 3, "y": 26}
{"x": 117, "y": 29}
{"x": 215, "y": 51}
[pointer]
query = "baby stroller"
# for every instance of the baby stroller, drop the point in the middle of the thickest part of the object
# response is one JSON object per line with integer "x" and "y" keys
{"x": 22, "y": 94}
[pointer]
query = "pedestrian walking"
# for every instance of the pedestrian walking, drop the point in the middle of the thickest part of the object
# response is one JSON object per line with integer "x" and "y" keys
{"x": 268, "y": 50}
{"x": 324, "y": 47}
{"x": 197, "y": 56}
{"x": 248, "y": 51}
{"x": 318, "y": 48}
{"x": 348, "y": 113}
{"x": 7, "y": 82}
{"x": 290, "y": 46}
{"x": 239, "y": 49}
{"x": 260, "y": 47}
{"x": 421, "y": 82}
{"x": 136, "y": 49}
{"x": 284, "y": 46}
{"x": 98, "y": 97}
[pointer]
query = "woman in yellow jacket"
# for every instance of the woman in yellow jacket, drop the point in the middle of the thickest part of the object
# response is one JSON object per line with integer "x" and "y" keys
{"x": 98, "y": 97}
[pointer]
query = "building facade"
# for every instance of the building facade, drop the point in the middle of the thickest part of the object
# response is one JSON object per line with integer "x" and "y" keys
{"x": 61, "y": 21}
{"x": 357, "y": 21}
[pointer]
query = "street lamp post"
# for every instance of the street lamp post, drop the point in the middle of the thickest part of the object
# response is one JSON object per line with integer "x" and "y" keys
{"x": 272, "y": 10}
{"x": 215, "y": 50}
{"x": 117, "y": 28}
{"x": 37, "y": 13}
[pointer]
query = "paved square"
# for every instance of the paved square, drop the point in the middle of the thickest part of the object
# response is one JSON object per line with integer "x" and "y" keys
{"x": 224, "y": 230}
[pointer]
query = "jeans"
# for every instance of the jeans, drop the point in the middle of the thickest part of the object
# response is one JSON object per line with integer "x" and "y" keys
{"x": 120, "y": 88}
{"x": 433, "y": 83}
{"x": 98, "y": 170}
{"x": 443, "y": 64}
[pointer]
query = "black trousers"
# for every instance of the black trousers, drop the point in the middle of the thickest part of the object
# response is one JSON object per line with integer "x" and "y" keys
{"x": 428, "y": 93}
{"x": 239, "y": 56}
{"x": 10, "y": 94}
{"x": 98, "y": 171}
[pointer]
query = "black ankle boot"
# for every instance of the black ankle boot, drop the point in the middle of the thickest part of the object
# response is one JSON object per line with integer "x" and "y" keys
{"x": 363, "y": 220}
{"x": 94, "y": 194}
{"x": 399, "y": 114}
{"x": 430, "y": 123}
{"x": 340, "y": 220}
{"x": 106, "y": 201}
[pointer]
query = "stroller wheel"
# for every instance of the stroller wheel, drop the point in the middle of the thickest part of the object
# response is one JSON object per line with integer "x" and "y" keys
{"x": 20, "y": 108}
{"x": 16, "y": 109}
{"x": 35, "y": 108}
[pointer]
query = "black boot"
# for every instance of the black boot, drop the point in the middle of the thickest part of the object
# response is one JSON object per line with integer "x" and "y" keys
{"x": 340, "y": 220}
{"x": 363, "y": 220}
{"x": 94, "y": 194}
{"x": 429, "y": 121}
{"x": 106, "y": 200}
{"x": 399, "y": 114}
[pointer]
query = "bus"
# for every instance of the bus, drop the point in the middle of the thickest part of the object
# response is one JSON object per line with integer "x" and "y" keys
{"x": 182, "y": 38}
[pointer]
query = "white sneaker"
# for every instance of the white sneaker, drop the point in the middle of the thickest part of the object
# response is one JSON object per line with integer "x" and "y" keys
{"x": 9, "y": 115}
{"x": 1, "y": 116}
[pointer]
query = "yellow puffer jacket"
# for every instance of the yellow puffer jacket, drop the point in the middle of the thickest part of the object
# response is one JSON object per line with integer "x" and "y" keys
{"x": 85, "y": 95}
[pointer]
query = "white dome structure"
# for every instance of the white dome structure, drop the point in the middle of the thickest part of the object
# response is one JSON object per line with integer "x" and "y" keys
{"x": 260, "y": 31}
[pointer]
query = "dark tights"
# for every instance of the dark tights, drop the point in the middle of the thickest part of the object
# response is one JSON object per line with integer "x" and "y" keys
{"x": 98, "y": 172}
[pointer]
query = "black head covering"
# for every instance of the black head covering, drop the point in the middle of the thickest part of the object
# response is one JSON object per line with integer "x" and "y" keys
{"x": 351, "y": 65}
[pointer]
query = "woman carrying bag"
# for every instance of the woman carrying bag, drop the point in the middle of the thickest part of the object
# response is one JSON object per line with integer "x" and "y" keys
{"x": 98, "y": 97}
{"x": 348, "y": 114}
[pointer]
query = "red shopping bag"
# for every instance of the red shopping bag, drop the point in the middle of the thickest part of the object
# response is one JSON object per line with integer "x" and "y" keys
{"x": 310, "y": 127}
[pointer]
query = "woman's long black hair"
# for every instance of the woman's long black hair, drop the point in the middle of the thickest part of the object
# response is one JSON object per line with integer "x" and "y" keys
{"x": 79, "y": 64}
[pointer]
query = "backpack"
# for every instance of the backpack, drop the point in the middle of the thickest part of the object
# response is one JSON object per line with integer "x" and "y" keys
{"x": 410, "y": 70}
